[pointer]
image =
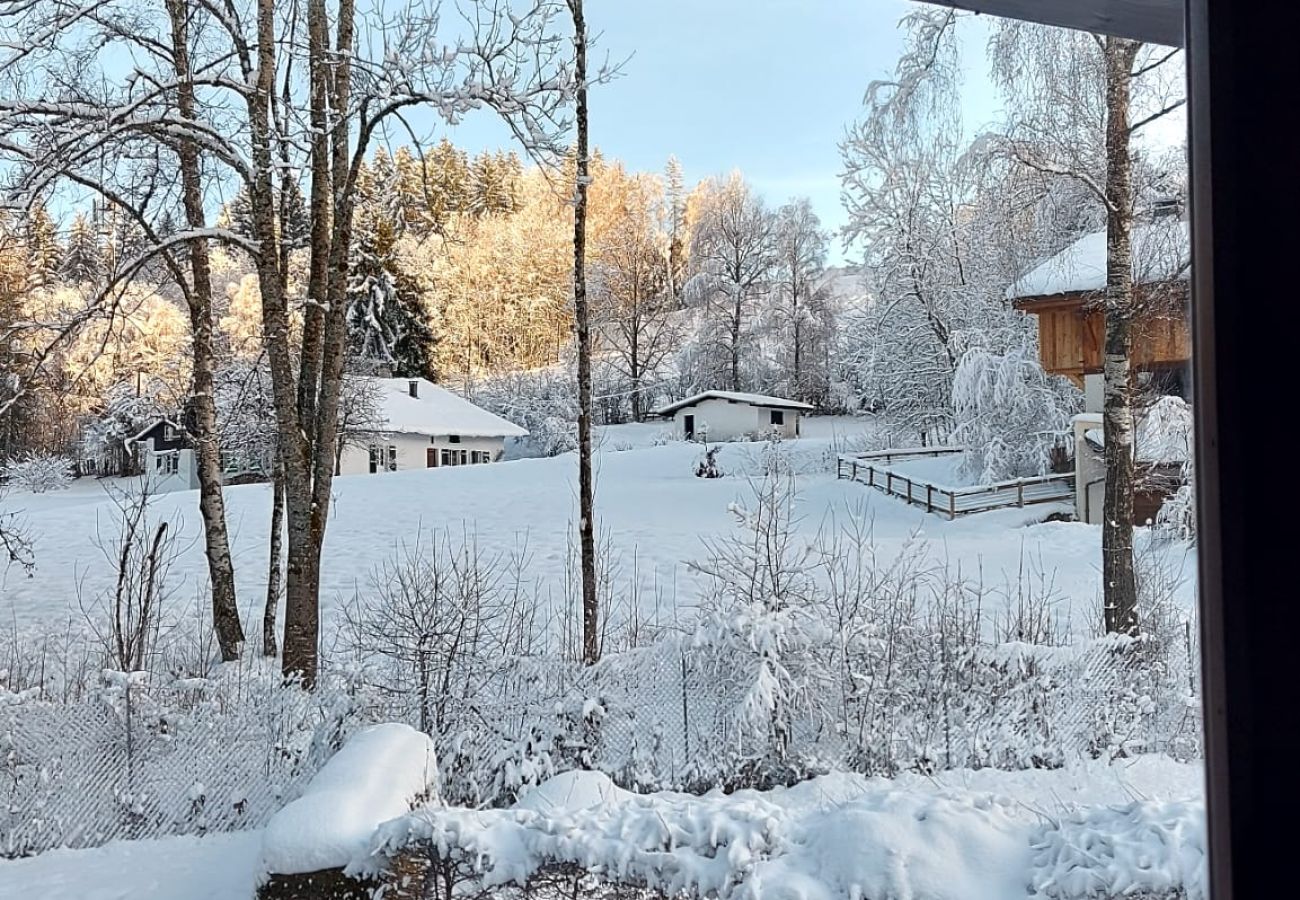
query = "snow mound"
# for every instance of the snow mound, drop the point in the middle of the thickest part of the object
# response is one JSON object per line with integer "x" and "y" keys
{"x": 571, "y": 792}
{"x": 373, "y": 778}
{"x": 838, "y": 836}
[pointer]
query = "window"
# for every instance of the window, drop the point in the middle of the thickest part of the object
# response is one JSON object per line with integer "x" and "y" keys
{"x": 778, "y": 417}
{"x": 464, "y": 457}
{"x": 478, "y": 457}
{"x": 448, "y": 457}
{"x": 167, "y": 463}
{"x": 383, "y": 458}
{"x": 453, "y": 439}
{"x": 169, "y": 432}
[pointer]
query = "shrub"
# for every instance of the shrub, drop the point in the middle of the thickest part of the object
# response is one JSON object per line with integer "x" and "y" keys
{"x": 39, "y": 472}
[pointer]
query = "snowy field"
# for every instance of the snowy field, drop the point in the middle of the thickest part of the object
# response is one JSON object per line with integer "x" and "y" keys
{"x": 958, "y": 834}
{"x": 653, "y": 513}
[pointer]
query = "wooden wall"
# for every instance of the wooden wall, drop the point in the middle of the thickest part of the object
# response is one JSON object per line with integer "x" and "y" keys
{"x": 1071, "y": 330}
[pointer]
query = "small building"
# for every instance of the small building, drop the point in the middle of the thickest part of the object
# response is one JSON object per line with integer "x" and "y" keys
{"x": 1065, "y": 294}
{"x": 731, "y": 416}
{"x": 165, "y": 457}
{"x": 421, "y": 425}
{"x": 1162, "y": 447}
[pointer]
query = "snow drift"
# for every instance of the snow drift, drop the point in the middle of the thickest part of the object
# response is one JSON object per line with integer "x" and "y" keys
{"x": 372, "y": 779}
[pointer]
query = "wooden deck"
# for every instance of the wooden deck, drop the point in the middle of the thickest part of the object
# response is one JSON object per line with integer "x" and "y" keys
{"x": 876, "y": 470}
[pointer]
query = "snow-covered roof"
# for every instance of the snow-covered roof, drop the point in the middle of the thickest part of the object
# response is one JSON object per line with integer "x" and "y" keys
{"x": 152, "y": 425}
{"x": 735, "y": 397}
{"x": 434, "y": 410}
{"x": 1161, "y": 252}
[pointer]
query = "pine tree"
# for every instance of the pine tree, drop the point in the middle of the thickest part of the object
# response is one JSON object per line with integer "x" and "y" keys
{"x": 83, "y": 260}
{"x": 43, "y": 251}
{"x": 675, "y": 211}
{"x": 387, "y": 327}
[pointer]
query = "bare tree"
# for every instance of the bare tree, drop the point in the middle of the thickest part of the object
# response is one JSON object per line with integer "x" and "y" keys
{"x": 801, "y": 310}
{"x": 733, "y": 251}
{"x": 115, "y": 139}
{"x": 635, "y": 295}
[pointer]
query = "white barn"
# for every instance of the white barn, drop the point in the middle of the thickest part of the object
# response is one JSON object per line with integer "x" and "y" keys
{"x": 423, "y": 426}
{"x": 730, "y": 416}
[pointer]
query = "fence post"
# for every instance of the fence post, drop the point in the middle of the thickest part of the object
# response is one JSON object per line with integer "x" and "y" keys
{"x": 952, "y": 505}
{"x": 889, "y": 482}
{"x": 1020, "y": 493}
{"x": 686, "y": 716}
{"x": 909, "y": 491}
{"x": 929, "y": 498}
{"x": 871, "y": 476}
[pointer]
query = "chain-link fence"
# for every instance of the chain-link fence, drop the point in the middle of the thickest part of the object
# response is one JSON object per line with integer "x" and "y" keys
{"x": 135, "y": 759}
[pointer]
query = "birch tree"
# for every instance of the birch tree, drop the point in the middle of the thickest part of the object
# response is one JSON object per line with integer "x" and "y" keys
{"x": 1079, "y": 100}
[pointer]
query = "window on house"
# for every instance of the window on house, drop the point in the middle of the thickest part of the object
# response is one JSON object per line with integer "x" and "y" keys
{"x": 167, "y": 463}
{"x": 778, "y": 417}
{"x": 448, "y": 457}
{"x": 169, "y": 432}
{"x": 453, "y": 438}
{"x": 464, "y": 457}
{"x": 392, "y": 458}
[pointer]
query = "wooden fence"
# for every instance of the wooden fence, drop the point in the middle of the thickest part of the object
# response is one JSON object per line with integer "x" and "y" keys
{"x": 876, "y": 470}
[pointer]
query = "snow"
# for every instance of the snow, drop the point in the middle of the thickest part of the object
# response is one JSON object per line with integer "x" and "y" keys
{"x": 373, "y": 778}
{"x": 976, "y": 835}
{"x": 651, "y": 509}
{"x": 215, "y": 867}
{"x": 941, "y": 471}
{"x": 435, "y": 410}
{"x": 1161, "y": 252}
{"x": 754, "y": 399}
{"x": 970, "y": 834}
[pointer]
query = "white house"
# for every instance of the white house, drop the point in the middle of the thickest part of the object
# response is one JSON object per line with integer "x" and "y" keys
{"x": 421, "y": 425}
{"x": 729, "y": 416}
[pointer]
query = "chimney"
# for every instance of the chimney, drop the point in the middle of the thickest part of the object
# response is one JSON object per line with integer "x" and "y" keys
{"x": 413, "y": 387}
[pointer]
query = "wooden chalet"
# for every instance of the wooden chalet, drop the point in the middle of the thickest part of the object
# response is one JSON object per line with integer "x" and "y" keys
{"x": 1065, "y": 293}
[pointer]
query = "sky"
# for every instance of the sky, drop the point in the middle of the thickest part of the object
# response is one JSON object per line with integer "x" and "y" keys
{"x": 766, "y": 86}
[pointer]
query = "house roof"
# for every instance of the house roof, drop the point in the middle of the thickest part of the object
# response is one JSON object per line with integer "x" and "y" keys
{"x": 1161, "y": 252}
{"x": 735, "y": 397}
{"x": 434, "y": 410}
{"x": 150, "y": 427}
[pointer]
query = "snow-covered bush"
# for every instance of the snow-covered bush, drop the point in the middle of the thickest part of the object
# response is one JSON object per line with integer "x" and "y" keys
{"x": 1009, "y": 413}
{"x": 545, "y": 401}
{"x": 1164, "y": 439}
{"x": 707, "y": 465}
{"x": 39, "y": 472}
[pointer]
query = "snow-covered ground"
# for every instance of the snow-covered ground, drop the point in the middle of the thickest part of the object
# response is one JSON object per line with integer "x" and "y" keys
{"x": 957, "y": 834}
{"x": 652, "y": 510}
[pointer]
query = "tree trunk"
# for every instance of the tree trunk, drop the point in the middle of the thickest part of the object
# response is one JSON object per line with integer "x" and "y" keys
{"x": 581, "y": 315}
{"x": 275, "y": 570}
{"x": 207, "y": 453}
{"x": 736, "y": 312}
{"x": 1119, "y": 579}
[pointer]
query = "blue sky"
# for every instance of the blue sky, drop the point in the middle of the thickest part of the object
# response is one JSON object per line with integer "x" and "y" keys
{"x": 766, "y": 86}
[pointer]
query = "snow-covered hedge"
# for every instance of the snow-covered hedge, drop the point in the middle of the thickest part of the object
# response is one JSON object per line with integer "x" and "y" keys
{"x": 838, "y": 836}
{"x": 39, "y": 472}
